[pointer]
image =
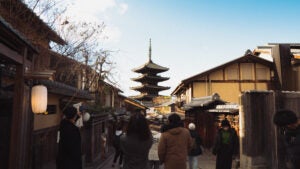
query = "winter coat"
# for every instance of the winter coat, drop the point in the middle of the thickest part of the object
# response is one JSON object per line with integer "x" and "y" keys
{"x": 196, "y": 151}
{"x": 225, "y": 152}
{"x": 69, "y": 147}
{"x": 173, "y": 148}
{"x": 292, "y": 142}
{"x": 233, "y": 142}
{"x": 135, "y": 152}
{"x": 116, "y": 139}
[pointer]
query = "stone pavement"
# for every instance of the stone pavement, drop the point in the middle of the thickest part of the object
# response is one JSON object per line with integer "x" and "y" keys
{"x": 206, "y": 161}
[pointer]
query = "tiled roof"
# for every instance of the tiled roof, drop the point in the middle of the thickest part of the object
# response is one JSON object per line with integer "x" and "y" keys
{"x": 66, "y": 90}
{"x": 202, "y": 101}
{"x": 150, "y": 87}
{"x": 17, "y": 33}
{"x": 150, "y": 66}
{"x": 145, "y": 77}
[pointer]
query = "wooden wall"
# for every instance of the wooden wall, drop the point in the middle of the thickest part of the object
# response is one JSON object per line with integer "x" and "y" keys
{"x": 262, "y": 144}
{"x": 45, "y": 148}
{"x": 51, "y": 120}
{"x": 232, "y": 80}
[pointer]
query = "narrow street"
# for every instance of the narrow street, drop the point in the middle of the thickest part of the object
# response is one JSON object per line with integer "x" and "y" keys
{"x": 206, "y": 161}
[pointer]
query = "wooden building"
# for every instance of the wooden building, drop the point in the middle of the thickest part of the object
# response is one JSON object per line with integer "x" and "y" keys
{"x": 16, "y": 118}
{"x": 149, "y": 80}
{"x": 228, "y": 81}
{"x": 248, "y": 72}
{"x": 286, "y": 57}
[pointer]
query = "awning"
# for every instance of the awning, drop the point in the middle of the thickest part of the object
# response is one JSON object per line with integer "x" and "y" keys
{"x": 203, "y": 101}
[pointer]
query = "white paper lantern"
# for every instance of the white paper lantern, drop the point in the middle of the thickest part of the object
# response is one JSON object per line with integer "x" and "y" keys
{"x": 86, "y": 117}
{"x": 39, "y": 99}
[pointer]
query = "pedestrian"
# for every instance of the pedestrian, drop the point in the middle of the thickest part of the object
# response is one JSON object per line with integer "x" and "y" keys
{"x": 69, "y": 146}
{"x": 288, "y": 121}
{"x": 174, "y": 144}
{"x": 153, "y": 156}
{"x": 116, "y": 145}
{"x": 196, "y": 150}
{"x": 226, "y": 146}
{"x": 136, "y": 143}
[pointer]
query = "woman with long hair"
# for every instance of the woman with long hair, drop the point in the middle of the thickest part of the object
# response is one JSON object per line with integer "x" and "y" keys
{"x": 136, "y": 143}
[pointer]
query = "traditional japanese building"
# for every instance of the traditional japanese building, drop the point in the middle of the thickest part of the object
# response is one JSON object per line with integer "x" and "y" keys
{"x": 149, "y": 80}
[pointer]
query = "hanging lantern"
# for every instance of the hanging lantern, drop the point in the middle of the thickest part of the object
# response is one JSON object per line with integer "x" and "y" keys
{"x": 39, "y": 97}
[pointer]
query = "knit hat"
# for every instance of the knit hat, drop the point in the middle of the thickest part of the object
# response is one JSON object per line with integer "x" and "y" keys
{"x": 70, "y": 112}
{"x": 225, "y": 123}
{"x": 192, "y": 126}
{"x": 284, "y": 117}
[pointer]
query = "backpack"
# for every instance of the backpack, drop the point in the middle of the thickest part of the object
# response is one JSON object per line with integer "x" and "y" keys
{"x": 117, "y": 140}
{"x": 194, "y": 143}
{"x": 196, "y": 146}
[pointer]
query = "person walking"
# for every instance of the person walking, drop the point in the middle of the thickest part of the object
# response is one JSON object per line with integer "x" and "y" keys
{"x": 196, "y": 150}
{"x": 174, "y": 144}
{"x": 288, "y": 121}
{"x": 153, "y": 156}
{"x": 116, "y": 144}
{"x": 136, "y": 143}
{"x": 69, "y": 146}
{"x": 226, "y": 146}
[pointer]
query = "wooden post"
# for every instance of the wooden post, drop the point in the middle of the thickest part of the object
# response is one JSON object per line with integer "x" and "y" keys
{"x": 21, "y": 128}
{"x": 257, "y": 131}
{"x": 22, "y": 122}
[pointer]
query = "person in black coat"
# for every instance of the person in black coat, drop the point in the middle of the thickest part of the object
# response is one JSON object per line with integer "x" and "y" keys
{"x": 288, "y": 121}
{"x": 117, "y": 146}
{"x": 226, "y": 146}
{"x": 69, "y": 147}
{"x": 196, "y": 150}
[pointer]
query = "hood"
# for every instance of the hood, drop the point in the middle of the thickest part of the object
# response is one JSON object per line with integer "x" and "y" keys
{"x": 175, "y": 131}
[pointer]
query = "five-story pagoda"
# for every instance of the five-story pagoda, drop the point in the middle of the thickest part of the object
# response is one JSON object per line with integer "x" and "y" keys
{"x": 149, "y": 80}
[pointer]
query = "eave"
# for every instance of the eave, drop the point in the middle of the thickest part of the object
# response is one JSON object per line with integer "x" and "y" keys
{"x": 150, "y": 87}
{"x": 150, "y": 66}
{"x": 145, "y": 77}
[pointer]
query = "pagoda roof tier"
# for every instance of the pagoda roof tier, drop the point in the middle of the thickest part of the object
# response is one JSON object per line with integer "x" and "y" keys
{"x": 150, "y": 88}
{"x": 145, "y": 78}
{"x": 150, "y": 67}
{"x": 143, "y": 97}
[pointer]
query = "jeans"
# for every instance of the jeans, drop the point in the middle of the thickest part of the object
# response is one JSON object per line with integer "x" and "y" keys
{"x": 193, "y": 162}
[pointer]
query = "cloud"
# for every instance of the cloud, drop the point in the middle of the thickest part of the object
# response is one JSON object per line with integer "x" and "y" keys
{"x": 123, "y": 8}
{"x": 112, "y": 33}
{"x": 93, "y": 6}
{"x": 98, "y": 11}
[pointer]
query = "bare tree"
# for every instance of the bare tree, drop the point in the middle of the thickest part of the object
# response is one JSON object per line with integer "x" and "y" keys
{"x": 92, "y": 63}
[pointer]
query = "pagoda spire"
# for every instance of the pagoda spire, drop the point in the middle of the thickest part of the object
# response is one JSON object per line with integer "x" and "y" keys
{"x": 150, "y": 52}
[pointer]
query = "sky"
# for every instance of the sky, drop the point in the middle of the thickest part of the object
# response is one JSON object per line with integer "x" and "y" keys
{"x": 188, "y": 36}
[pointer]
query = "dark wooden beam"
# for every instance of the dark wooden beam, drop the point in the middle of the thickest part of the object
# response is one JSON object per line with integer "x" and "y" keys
{"x": 11, "y": 54}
